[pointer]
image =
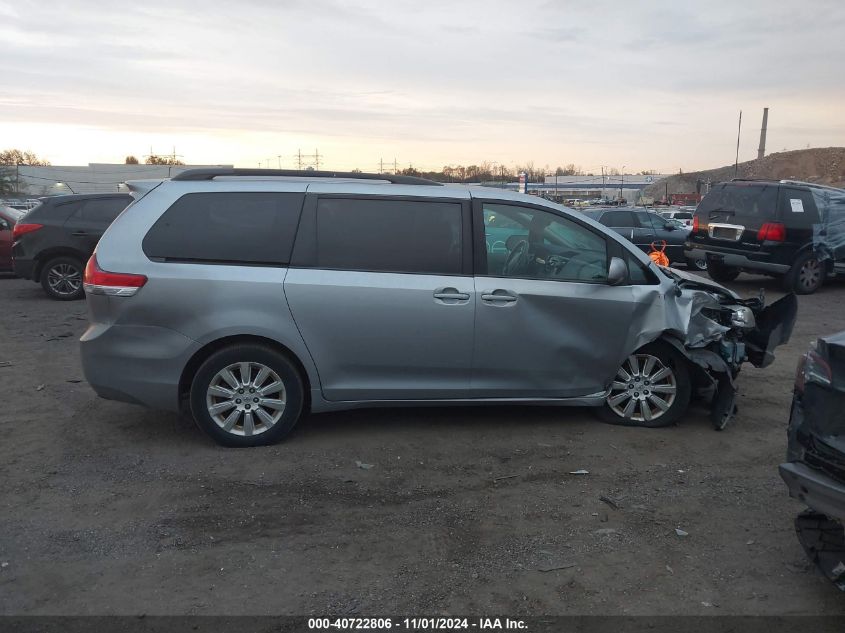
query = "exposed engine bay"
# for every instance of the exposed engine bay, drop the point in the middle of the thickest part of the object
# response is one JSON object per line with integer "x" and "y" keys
{"x": 723, "y": 331}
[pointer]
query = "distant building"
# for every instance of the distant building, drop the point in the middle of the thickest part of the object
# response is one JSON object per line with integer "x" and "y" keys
{"x": 93, "y": 178}
{"x": 586, "y": 187}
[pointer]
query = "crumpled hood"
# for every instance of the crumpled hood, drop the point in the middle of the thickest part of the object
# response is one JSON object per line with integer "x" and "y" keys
{"x": 689, "y": 279}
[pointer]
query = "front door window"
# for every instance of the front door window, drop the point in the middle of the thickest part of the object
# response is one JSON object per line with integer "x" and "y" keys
{"x": 530, "y": 243}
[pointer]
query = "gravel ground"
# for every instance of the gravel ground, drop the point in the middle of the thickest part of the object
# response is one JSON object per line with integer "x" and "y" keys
{"x": 107, "y": 508}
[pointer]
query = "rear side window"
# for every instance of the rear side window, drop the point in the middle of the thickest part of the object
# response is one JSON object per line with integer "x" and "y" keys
{"x": 741, "y": 202}
{"x": 400, "y": 236}
{"x": 618, "y": 219}
{"x": 237, "y": 228}
{"x": 797, "y": 207}
{"x": 103, "y": 210}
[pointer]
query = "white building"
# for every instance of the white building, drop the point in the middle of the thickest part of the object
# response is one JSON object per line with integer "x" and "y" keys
{"x": 628, "y": 186}
{"x": 94, "y": 178}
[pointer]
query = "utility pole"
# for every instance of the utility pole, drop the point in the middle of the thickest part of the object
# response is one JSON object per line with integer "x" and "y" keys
{"x": 395, "y": 166}
{"x": 299, "y": 159}
{"x": 381, "y": 165}
{"x": 317, "y": 159}
{"x": 280, "y": 160}
{"x": 622, "y": 184}
{"x": 738, "y": 130}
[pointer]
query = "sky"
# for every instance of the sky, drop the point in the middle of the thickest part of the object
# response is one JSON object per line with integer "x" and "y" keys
{"x": 640, "y": 85}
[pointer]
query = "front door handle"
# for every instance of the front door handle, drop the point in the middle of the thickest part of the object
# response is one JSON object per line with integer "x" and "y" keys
{"x": 79, "y": 234}
{"x": 504, "y": 298}
{"x": 450, "y": 296}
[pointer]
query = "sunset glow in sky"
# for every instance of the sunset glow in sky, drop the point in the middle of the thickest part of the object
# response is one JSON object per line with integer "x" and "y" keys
{"x": 648, "y": 85}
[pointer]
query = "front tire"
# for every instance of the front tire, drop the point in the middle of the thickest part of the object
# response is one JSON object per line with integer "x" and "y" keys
{"x": 806, "y": 275}
{"x": 651, "y": 389}
{"x": 247, "y": 395}
{"x": 61, "y": 278}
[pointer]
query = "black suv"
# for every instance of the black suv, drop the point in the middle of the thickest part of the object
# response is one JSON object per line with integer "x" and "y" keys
{"x": 645, "y": 227}
{"x": 54, "y": 240}
{"x": 788, "y": 229}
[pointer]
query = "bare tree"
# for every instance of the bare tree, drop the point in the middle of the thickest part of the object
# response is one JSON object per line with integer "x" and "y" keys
{"x": 18, "y": 157}
{"x": 154, "y": 159}
{"x": 9, "y": 161}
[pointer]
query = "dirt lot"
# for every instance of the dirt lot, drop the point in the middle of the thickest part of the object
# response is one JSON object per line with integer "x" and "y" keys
{"x": 107, "y": 508}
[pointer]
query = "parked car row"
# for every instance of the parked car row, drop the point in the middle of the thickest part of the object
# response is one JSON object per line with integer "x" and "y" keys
{"x": 644, "y": 228}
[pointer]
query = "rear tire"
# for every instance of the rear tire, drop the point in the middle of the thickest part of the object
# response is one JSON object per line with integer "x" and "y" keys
{"x": 247, "y": 395}
{"x": 720, "y": 272}
{"x": 656, "y": 391}
{"x": 806, "y": 275}
{"x": 697, "y": 264}
{"x": 61, "y": 278}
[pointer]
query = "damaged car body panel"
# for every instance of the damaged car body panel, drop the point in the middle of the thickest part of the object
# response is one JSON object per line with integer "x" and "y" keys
{"x": 542, "y": 331}
{"x": 815, "y": 466}
{"x": 717, "y": 331}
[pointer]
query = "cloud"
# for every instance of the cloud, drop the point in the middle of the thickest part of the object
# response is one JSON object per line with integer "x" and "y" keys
{"x": 538, "y": 75}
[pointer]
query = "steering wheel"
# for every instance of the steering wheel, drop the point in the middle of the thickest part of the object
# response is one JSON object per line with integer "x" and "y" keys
{"x": 517, "y": 261}
{"x": 578, "y": 267}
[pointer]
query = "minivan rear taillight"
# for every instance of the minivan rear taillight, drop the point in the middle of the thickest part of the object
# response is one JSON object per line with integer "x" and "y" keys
{"x": 23, "y": 229}
{"x": 772, "y": 232}
{"x": 695, "y": 224}
{"x": 101, "y": 282}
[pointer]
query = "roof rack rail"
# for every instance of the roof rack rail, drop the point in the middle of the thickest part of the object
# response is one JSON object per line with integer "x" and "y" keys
{"x": 213, "y": 172}
{"x": 788, "y": 181}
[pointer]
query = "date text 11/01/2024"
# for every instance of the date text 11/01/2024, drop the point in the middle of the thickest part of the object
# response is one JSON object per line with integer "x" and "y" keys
{"x": 416, "y": 624}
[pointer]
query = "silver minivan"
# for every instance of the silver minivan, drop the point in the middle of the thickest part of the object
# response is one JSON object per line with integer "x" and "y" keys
{"x": 251, "y": 297}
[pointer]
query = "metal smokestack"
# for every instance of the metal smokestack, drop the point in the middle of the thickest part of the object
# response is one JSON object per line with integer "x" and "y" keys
{"x": 761, "y": 151}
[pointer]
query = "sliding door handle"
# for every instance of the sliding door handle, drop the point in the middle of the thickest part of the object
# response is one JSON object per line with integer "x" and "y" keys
{"x": 498, "y": 298}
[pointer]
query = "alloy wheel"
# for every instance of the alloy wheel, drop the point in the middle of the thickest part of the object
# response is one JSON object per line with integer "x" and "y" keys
{"x": 246, "y": 398}
{"x": 700, "y": 264}
{"x": 64, "y": 279}
{"x": 643, "y": 390}
{"x": 810, "y": 274}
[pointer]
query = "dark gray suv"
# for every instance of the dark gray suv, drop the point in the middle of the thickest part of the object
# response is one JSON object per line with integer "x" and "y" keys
{"x": 250, "y": 297}
{"x": 53, "y": 241}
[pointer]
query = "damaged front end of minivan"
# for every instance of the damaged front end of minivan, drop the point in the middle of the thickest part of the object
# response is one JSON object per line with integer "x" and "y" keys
{"x": 716, "y": 331}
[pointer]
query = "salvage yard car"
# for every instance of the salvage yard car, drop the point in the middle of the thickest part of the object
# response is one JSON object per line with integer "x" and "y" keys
{"x": 791, "y": 230}
{"x": 250, "y": 297}
{"x": 8, "y": 219}
{"x": 53, "y": 240}
{"x": 645, "y": 228}
{"x": 815, "y": 466}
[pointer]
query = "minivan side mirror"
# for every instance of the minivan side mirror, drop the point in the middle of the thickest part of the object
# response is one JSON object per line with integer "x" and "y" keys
{"x": 669, "y": 226}
{"x": 4, "y": 226}
{"x": 617, "y": 272}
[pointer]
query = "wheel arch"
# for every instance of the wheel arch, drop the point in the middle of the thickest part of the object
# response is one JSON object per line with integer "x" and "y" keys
{"x": 202, "y": 354}
{"x": 56, "y": 251}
